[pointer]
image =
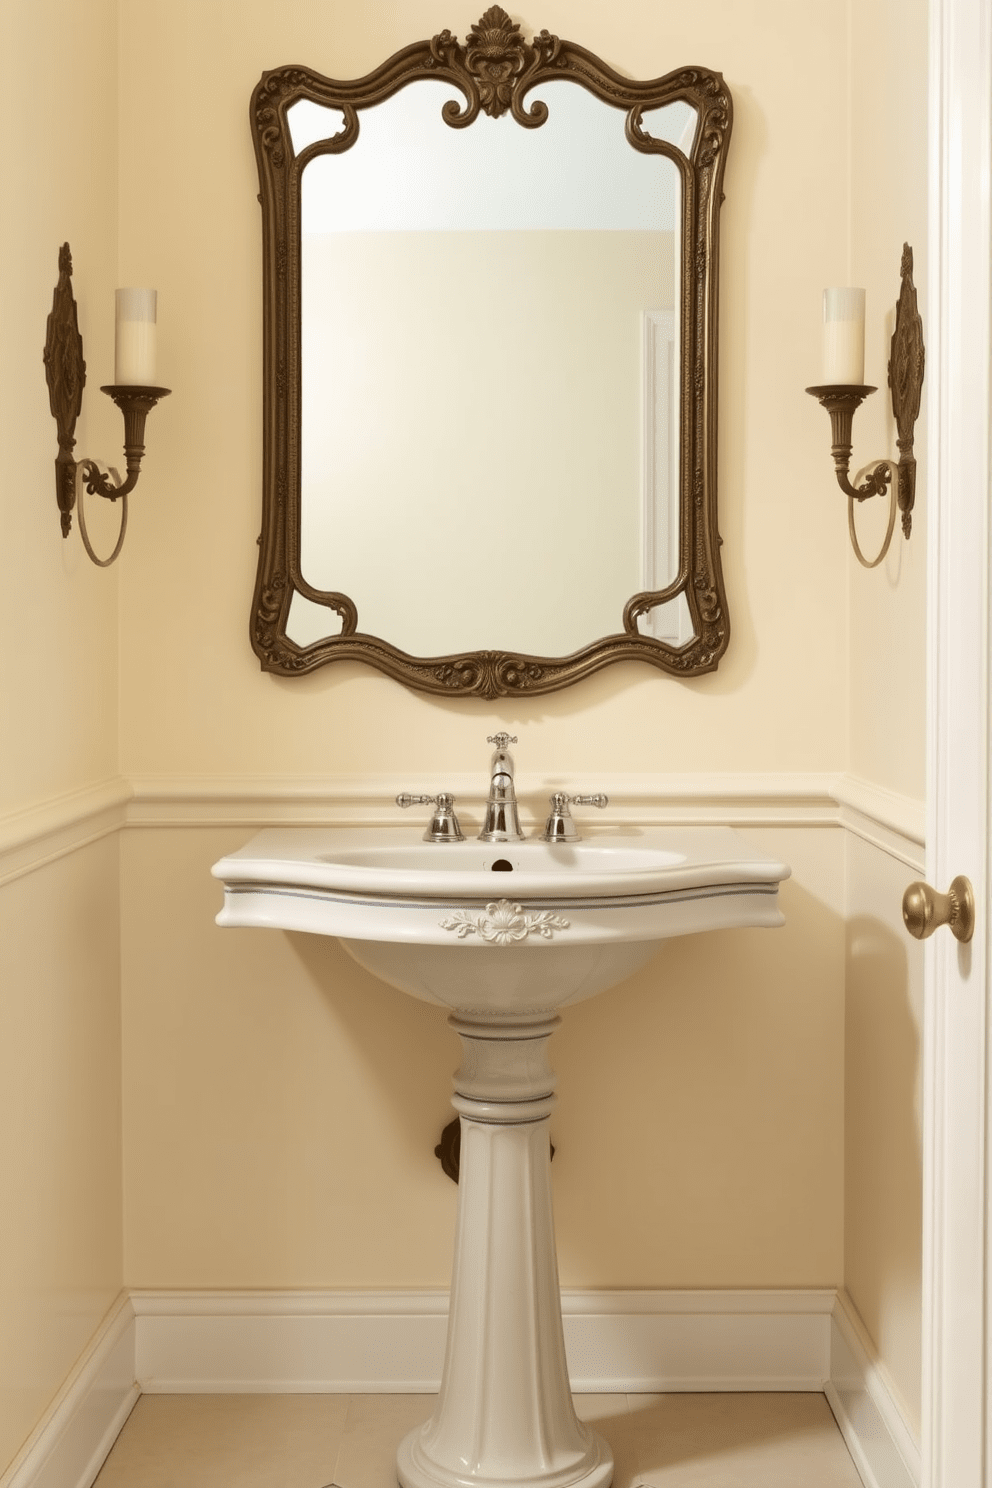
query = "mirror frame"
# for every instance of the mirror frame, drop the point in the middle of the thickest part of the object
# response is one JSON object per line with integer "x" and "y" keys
{"x": 495, "y": 70}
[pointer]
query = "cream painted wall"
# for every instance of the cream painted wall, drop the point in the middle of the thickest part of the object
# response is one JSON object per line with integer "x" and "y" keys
{"x": 888, "y": 207}
{"x": 887, "y": 607}
{"x": 60, "y": 1140}
{"x": 58, "y": 671}
{"x": 883, "y": 1157}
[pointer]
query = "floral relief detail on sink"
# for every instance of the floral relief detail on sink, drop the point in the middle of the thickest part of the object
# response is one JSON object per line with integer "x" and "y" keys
{"x": 504, "y": 923}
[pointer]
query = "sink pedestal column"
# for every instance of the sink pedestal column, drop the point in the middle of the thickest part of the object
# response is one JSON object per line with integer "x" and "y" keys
{"x": 505, "y": 1414}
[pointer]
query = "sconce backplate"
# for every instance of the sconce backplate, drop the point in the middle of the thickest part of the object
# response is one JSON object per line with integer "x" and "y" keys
{"x": 907, "y": 360}
{"x": 65, "y": 372}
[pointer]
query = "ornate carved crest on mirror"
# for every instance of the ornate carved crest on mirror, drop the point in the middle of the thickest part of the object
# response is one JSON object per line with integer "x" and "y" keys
{"x": 490, "y": 366}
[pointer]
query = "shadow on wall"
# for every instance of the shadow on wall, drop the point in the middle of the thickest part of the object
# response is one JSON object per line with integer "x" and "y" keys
{"x": 702, "y": 1104}
{"x": 405, "y": 1046}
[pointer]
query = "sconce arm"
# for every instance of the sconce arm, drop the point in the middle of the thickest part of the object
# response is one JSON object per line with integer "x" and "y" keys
{"x": 135, "y": 403}
{"x": 98, "y": 484}
{"x": 876, "y": 483}
{"x": 840, "y": 400}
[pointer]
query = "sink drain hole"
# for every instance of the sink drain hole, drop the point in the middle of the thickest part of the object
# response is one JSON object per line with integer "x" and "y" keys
{"x": 502, "y": 865}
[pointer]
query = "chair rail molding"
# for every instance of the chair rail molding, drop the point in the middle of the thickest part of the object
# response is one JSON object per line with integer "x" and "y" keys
{"x": 50, "y": 829}
{"x": 828, "y": 798}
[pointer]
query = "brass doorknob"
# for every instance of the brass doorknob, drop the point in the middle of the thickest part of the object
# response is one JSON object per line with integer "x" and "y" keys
{"x": 924, "y": 910}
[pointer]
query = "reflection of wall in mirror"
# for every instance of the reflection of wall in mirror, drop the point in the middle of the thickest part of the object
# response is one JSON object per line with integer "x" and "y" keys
{"x": 660, "y": 514}
{"x": 471, "y": 404}
{"x": 409, "y": 171}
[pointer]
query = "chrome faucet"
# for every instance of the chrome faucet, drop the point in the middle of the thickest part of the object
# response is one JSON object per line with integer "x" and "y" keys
{"x": 502, "y": 823}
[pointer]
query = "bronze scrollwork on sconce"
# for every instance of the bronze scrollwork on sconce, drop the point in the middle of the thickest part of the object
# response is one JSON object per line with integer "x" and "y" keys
{"x": 907, "y": 361}
{"x": 65, "y": 372}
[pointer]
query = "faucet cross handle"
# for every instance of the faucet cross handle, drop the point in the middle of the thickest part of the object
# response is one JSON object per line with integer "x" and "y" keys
{"x": 560, "y": 826}
{"x": 501, "y": 740}
{"x": 444, "y": 825}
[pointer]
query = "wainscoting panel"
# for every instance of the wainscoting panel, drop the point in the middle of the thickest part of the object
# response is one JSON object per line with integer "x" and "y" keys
{"x": 623, "y": 1341}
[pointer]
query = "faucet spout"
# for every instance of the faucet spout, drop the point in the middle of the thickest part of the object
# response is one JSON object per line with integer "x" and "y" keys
{"x": 502, "y": 824}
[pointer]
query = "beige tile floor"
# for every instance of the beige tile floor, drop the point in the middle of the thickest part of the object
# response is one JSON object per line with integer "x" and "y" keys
{"x": 313, "y": 1441}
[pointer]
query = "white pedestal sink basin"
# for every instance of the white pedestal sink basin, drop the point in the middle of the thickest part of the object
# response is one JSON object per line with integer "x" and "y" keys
{"x": 503, "y": 935}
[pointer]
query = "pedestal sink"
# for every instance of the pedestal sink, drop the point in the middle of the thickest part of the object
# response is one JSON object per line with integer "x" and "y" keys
{"x": 503, "y": 935}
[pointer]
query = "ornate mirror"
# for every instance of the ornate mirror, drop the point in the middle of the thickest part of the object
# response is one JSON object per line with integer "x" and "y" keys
{"x": 490, "y": 366}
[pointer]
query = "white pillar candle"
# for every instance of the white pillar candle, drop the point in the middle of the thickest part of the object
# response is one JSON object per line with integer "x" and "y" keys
{"x": 844, "y": 336}
{"x": 134, "y": 363}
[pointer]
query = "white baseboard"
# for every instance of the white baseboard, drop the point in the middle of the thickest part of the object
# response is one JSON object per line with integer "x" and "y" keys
{"x": 868, "y": 1414}
{"x": 646, "y": 1342}
{"x": 394, "y": 1341}
{"x": 382, "y": 1342}
{"x": 70, "y": 1443}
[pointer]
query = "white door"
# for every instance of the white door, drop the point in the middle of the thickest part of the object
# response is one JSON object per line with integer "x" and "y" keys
{"x": 957, "y": 1107}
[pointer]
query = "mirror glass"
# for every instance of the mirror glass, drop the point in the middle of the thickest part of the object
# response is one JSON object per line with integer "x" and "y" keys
{"x": 490, "y": 333}
{"x": 479, "y": 310}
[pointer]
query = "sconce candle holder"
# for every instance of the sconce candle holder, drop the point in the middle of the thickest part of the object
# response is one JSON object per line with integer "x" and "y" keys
{"x": 906, "y": 366}
{"x": 65, "y": 372}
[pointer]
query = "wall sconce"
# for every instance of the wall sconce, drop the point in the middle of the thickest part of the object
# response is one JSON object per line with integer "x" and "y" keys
{"x": 844, "y": 391}
{"x": 65, "y": 372}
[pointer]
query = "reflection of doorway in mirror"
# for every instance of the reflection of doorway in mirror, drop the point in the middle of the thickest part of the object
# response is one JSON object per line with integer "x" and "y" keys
{"x": 671, "y": 622}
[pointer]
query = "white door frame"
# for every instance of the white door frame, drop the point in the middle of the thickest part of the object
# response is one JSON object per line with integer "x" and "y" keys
{"x": 956, "y": 1331}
